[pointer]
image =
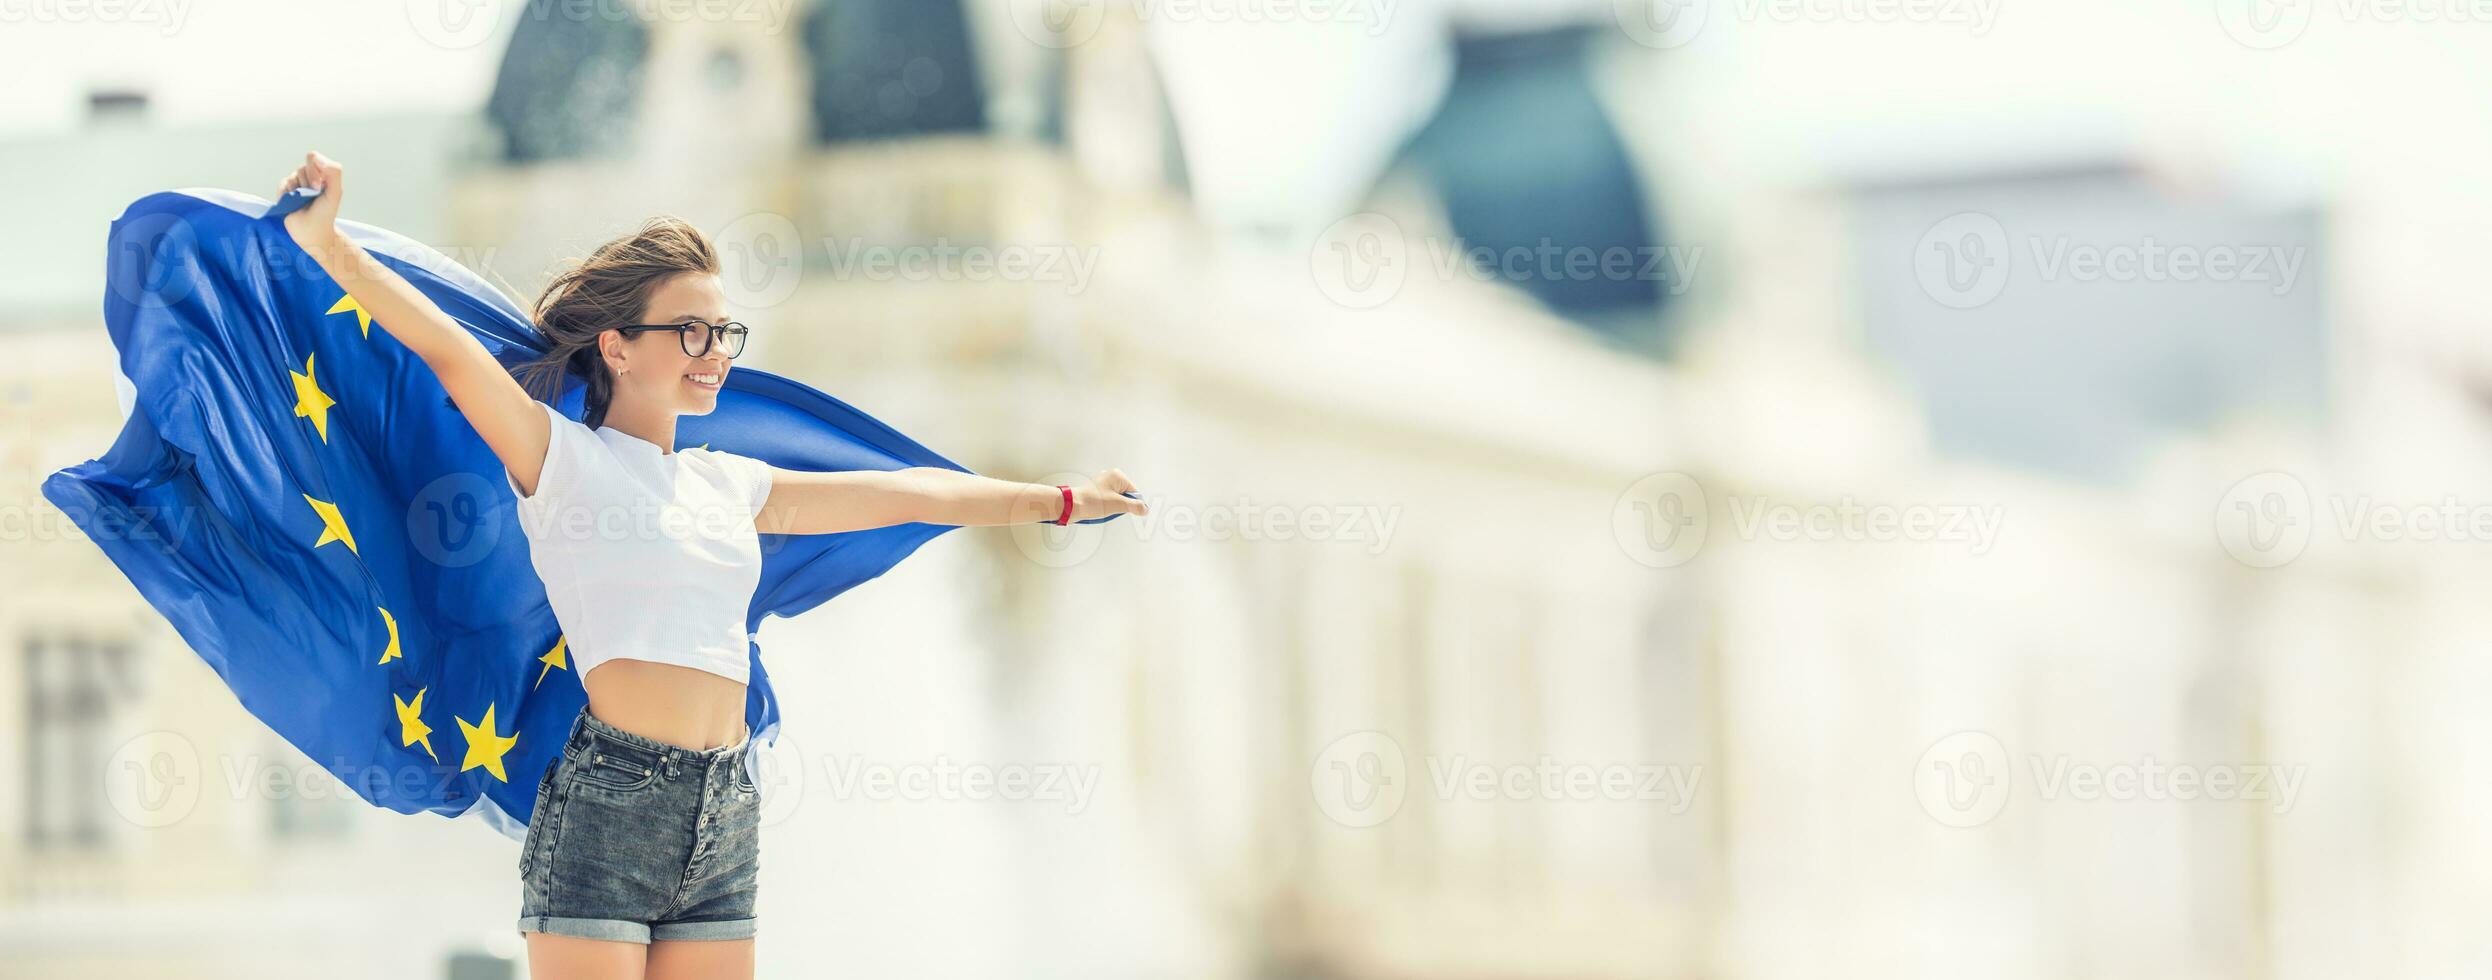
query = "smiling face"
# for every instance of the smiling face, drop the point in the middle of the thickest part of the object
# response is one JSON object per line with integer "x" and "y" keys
{"x": 651, "y": 366}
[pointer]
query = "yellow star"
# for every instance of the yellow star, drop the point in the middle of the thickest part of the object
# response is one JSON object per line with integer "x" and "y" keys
{"x": 553, "y": 658}
{"x": 411, "y": 728}
{"x": 702, "y": 446}
{"x": 347, "y": 304}
{"x": 334, "y": 528}
{"x": 309, "y": 401}
{"x": 390, "y": 652}
{"x": 484, "y": 746}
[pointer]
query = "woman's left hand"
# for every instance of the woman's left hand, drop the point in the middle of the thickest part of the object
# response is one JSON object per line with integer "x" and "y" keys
{"x": 1106, "y": 495}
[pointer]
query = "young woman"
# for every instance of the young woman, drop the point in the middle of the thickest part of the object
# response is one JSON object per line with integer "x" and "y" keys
{"x": 654, "y": 871}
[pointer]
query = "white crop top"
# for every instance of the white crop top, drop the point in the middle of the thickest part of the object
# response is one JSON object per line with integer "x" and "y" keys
{"x": 645, "y": 555}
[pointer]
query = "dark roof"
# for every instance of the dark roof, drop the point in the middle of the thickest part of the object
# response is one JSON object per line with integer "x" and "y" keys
{"x": 891, "y": 68}
{"x": 569, "y": 85}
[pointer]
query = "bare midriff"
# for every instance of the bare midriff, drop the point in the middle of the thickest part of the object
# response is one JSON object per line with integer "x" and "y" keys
{"x": 674, "y": 704}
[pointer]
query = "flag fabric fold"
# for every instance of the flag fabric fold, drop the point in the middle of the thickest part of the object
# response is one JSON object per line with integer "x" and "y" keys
{"x": 297, "y": 494}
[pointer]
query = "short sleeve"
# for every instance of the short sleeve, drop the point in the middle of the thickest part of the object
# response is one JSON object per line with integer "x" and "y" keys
{"x": 561, "y": 470}
{"x": 750, "y": 478}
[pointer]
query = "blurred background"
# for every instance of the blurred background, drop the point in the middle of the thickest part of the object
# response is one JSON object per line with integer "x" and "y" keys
{"x": 1666, "y": 488}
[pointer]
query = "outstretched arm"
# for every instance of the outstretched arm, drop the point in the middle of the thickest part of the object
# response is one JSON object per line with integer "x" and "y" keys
{"x": 807, "y": 502}
{"x": 494, "y": 403}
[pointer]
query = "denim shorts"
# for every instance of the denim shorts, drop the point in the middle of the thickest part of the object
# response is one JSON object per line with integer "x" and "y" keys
{"x": 637, "y": 840}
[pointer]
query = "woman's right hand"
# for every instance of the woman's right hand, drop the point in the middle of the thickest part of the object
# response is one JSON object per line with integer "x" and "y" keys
{"x": 316, "y": 223}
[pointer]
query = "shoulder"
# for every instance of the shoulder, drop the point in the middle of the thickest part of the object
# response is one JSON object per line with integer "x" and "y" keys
{"x": 562, "y": 424}
{"x": 737, "y": 464}
{"x": 748, "y": 476}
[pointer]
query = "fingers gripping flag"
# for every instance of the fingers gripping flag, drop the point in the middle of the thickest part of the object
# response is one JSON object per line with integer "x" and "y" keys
{"x": 297, "y": 494}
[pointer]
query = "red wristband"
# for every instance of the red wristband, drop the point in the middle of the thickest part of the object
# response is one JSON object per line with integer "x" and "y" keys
{"x": 1065, "y": 518}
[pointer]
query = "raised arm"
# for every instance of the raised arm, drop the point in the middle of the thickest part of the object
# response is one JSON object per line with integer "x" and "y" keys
{"x": 494, "y": 403}
{"x": 807, "y": 502}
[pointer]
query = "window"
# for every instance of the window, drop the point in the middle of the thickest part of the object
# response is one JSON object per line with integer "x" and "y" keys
{"x": 73, "y": 685}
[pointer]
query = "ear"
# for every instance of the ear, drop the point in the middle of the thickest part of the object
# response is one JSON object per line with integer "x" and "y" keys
{"x": 611, "y": 350}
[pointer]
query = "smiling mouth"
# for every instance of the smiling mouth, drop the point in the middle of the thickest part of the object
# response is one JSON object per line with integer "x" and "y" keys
{"x": 706, "y": 382}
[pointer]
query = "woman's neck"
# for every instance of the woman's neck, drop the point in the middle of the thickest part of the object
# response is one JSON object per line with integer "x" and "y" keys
{"x": 657, "y": 429}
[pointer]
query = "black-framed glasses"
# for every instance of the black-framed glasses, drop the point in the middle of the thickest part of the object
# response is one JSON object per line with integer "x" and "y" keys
{"x": 730, "y": 334}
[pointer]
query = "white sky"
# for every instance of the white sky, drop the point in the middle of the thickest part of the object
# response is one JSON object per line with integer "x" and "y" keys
{"x": 209, "y": 61}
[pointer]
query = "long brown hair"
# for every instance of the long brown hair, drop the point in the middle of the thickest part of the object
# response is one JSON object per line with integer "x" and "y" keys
{"x": 608, "y": 289}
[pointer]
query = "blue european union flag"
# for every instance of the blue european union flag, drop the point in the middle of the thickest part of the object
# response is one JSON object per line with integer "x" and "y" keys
{"x": 296, "y": 492}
